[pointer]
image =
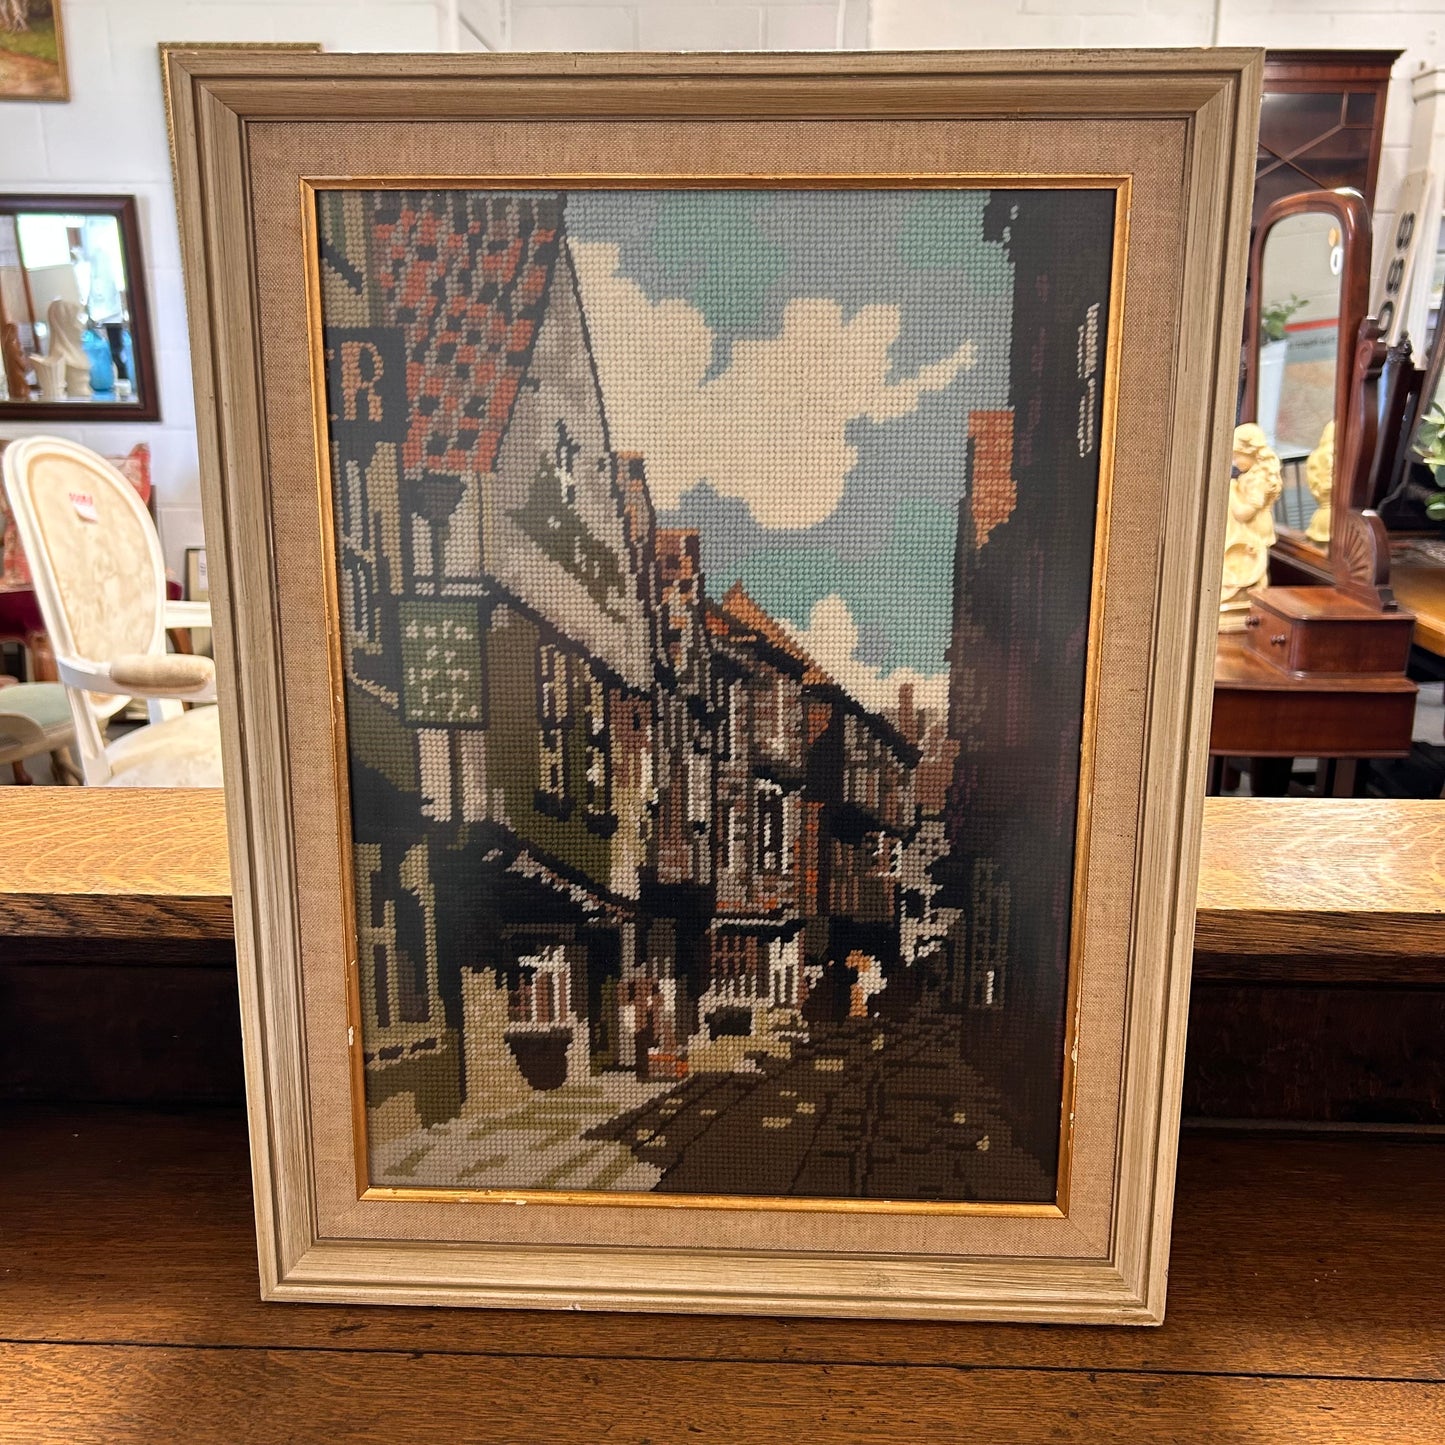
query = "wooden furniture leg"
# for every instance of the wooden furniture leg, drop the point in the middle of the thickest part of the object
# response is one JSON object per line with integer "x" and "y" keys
{"x": 1338, "y": 780}
{"x": 42, "y": 658}
{"x": 1269, "y": 777}
{"x": 64, "y": 769}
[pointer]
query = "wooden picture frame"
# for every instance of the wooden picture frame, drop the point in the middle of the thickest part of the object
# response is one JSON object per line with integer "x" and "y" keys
{"x": 37, "y": 71}
{"x": 197, "y": 580}
{"x": 146, "y": 405}
{"x": 274, "y": 155}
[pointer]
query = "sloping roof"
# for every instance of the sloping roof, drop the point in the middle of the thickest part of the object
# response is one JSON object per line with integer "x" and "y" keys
{"x": 743, "y": 611}
{"x": 466, "y": 275}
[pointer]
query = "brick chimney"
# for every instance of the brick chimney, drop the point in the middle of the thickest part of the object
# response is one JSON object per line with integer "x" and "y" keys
{"x": 908, "y": 720}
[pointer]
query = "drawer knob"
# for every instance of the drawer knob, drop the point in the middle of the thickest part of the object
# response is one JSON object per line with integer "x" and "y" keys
{"x": 1278, "y": 640}
{"x": 1252, "y": 620}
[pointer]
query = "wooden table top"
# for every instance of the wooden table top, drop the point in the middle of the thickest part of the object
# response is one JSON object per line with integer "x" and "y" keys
{"x": 1329, "y": 877}
{"x": 1277, "y": 875}
{"x": 1419, "y": 587}
{"x": 114, "y": 862}
{"x": 1303, "y": 1306}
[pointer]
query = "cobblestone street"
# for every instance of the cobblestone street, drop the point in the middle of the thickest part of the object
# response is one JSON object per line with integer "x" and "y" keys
{"x": 546, "y": 1143}
{"x": 873, "y": 1110}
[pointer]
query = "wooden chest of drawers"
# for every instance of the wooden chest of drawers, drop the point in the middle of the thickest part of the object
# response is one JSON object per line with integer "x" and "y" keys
{"x": 1319, "y": 629}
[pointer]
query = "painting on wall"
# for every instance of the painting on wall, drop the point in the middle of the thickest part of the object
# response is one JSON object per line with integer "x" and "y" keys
{"x": 713, "y": 571}
{"x": 32, "y": 51}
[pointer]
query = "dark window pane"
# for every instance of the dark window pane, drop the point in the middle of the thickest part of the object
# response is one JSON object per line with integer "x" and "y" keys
{"x": 1360, "y": 108}
{"x": 1288, "y": 122}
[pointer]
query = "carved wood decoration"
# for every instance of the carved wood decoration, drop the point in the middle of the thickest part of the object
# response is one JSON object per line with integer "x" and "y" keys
{"x": 1360, "y": 557}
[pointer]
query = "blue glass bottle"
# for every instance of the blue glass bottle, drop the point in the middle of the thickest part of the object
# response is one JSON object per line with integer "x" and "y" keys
{"x": 102, "y": 367}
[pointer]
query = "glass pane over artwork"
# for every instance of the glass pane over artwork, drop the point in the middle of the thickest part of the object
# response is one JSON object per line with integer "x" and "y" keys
{"x": 715, "y": 571}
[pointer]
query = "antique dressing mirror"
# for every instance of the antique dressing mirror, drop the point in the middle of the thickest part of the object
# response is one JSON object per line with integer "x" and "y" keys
{"x": 1309, "y": 287}
{"x": 74, "y": 326}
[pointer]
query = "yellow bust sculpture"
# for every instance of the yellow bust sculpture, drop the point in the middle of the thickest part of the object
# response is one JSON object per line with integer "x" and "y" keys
{"x": 1320, "y": 475}
{"x": 1249, "y": 534}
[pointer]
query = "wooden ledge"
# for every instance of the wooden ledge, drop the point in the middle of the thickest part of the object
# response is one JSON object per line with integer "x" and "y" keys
{"x": 1333, "y": 878}
{"x": 1280, "y": 877}
{"x": 114, "y": 863}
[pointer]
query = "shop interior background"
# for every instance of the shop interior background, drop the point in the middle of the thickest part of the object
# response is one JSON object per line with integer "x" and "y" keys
{"x": 111, "y": 137}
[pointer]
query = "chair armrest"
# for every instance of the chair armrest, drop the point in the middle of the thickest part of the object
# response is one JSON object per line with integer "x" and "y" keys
{"x": 186, "y": 614}
{"x": 159, "y": 675}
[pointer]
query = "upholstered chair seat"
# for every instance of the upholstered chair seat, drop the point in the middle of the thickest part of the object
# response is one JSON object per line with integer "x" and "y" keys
{"x": 34, "y": 718}
{"x": 182, "y": 752}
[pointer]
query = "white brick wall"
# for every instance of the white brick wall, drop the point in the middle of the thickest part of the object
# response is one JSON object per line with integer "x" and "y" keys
{"x": 111, "y": 137}
{"x": 1415, "y": 26}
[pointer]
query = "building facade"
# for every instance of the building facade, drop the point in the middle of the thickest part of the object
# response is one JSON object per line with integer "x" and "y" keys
{"x": 600, "y": 821}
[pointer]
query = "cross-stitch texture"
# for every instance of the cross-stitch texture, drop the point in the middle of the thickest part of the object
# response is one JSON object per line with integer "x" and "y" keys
{"x": 715, "y": 579}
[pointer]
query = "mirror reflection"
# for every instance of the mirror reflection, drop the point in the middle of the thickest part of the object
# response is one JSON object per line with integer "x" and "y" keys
{"x": 1300, "y": 293}
{"x": 71, "y": 319}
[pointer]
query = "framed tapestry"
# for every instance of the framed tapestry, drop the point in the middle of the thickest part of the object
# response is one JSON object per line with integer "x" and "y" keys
{"x": 714, "y": 563}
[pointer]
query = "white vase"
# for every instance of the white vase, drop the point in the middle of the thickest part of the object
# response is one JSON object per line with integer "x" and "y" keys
{"x": 1272, "y": 356}
{"x": 50, "y": 373}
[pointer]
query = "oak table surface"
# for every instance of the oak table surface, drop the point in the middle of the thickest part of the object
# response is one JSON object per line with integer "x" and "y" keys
{"x": 1302, "y": 1308}
{"x": 1319, "y": 876}
{"x": 1419, "y": 587}
{"x": 1302, "y": 1278}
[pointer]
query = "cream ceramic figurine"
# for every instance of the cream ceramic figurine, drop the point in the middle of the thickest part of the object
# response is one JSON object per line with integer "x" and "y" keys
{"x": 49, "y": 376}
{"x": 67, "y": 347}
{"x": 1249, "y": 533}
{"x": 1320, "y": 474}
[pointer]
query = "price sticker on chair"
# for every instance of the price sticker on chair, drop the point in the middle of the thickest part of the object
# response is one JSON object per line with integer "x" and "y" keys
{"x": 84, "y": 504}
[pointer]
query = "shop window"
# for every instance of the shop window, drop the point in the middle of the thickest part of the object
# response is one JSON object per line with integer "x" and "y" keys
{"x": 594, "y": 715}
{"x": 552, "y": 718}
{"x": 770, "y": 828}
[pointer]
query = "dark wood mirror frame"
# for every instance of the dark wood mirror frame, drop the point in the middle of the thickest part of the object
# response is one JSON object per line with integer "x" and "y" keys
{"x": 147, "y": 403}
{"x": 1348, "y": 209}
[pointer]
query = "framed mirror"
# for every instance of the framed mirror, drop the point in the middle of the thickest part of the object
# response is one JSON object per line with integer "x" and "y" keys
{"x": 1309, "y": 278}
{"x": 75, "y": 332}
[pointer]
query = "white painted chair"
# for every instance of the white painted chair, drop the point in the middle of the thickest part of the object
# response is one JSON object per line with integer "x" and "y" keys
{"x": 95, "y": 561}
{"x": 35, "y": 719}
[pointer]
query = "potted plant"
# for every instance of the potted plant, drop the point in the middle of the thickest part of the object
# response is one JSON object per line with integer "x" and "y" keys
{"x": 1430, "y": 443}
{"x": 1273, "y": 348}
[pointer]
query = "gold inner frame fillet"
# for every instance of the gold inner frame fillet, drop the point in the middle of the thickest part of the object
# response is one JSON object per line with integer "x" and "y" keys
{"x": 1120, "y": 185}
